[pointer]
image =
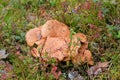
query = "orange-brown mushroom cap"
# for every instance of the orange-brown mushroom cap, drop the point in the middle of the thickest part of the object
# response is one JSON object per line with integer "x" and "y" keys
{"x": 35, "y": 52}
{"x": 82, "y": 37}
{"x": 54, "y": 28}
{"x": 83, "y": 47}
{"x": 85, "y": 57}
{"x": 32, "y": 36}
{"x": 88, "y": 57}
{"x": 55, "y": 47}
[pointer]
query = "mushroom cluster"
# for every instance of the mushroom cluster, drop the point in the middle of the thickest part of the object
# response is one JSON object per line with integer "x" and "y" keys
{"x": 52, "y": 40}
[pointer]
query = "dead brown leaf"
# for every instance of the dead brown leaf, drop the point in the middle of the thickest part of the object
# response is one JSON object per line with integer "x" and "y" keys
{"x": 31, "y": 17}
{"x": 74, "y": 75}
{"x": 97, "y": 69}
{"x": 3, "y": 54}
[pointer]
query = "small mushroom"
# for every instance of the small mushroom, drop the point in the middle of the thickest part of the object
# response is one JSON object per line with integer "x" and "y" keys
{"x": 78, "y": 59}
{"x": 79, "y": 44}
{"x": 82, "y": 37}
{"x": 40, "y": 42}
{"x": 88, "y": 57}
{"x": 35, "y": 52}
{"x": 83, "y": 47}
{"x": 75, "y": 45}
{"x": 85, "y": 57}
{"x": 32, "y": 36}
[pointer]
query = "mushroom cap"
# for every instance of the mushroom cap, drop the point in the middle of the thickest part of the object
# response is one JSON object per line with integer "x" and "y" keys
{"x": 32, "y": 36}
{"x": 85, "y": 57}
{"x": 77, "y": 45}
{"x": 78, "y": 59}
{"x": 83, "y": 47}
{"x": 40, "y": 42}
{"x": 54, "y": 28}
{"x": 88, "y": 57}
{"x": 35, "y": 52}
{"x": 82, "y": 37}
{"x": 55, "y": 47}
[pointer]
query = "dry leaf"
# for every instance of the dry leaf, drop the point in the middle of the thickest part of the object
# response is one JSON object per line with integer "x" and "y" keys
{"x": 42, "y": 11}
{"x": 74, "y": 75}
{"x": 87, "y": 5}
{"x": 98, "y": 68}
{"x": 44, "y": 14}
{"x": 103, "y": 64}
{"x": 3, "y": 54}
{"x": 100, "y": 14}
{"x": 32, "y": 36}
{"x": 31, "y": 17}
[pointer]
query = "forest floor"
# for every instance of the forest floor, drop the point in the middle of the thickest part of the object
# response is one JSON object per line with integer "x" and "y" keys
{"x": 99, "y": 20}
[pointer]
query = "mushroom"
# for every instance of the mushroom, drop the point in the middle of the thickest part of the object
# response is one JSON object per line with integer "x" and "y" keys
{"x": 88, "y": 57}
{"x": 85, "y": 57}
{"x": 55, "y": 47}
{"x": 82, "y": 37}
{"x": 79, "y": 44}
{"x": 35, "y": 52}
{"x": 52, "y": 40}
{"x": 54, "y": 28}
{"x": 32, "y": 36}
{"x": 83, "y": 47}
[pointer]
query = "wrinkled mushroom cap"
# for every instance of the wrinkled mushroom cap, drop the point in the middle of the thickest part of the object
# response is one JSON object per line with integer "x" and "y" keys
{"x": 78, "y": 59}
{"x": 54, "y": 28}
{"x": 79, "y": 44}
{"x": 82, "y": 37}
{"x": 55, "y": 47}
{"x": 88, "y": 57}
{"x": 40, "y": 42}
{"x": 85, "y": 57}
{"x": 32, "y": 36}
{"x": 83, "y": 47}
{"x": 35, "y": 52}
